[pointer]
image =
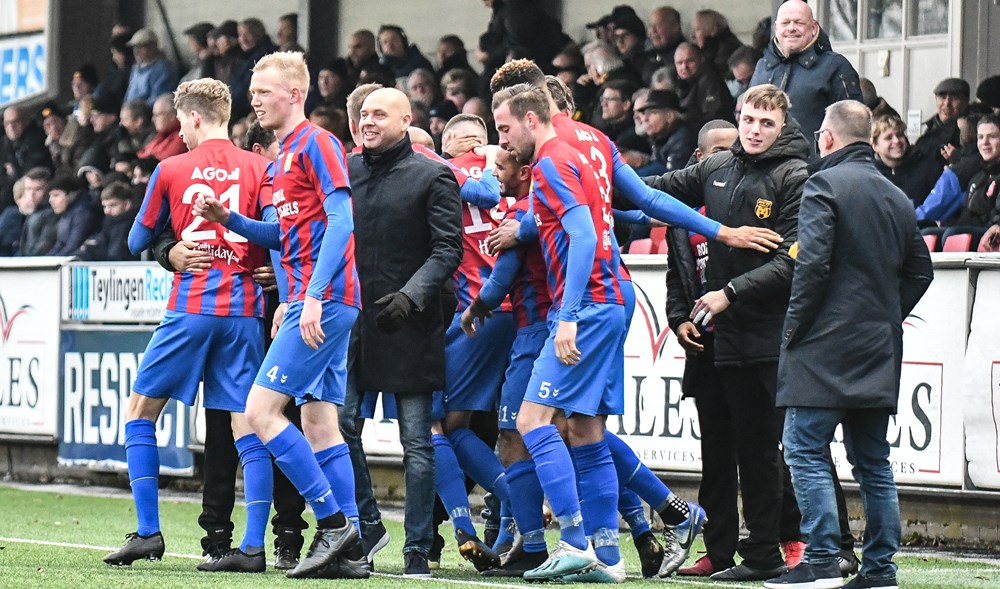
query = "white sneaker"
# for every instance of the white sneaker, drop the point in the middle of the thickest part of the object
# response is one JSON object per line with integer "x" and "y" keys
{"x": 565, "y": 560}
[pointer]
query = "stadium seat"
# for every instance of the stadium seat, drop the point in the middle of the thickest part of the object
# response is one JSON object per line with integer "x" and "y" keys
{"x": 641, "y": 246}
{"x": 931, "y": 241}
{"x": 659, "y": 237}
{"x": 961, "y": 242}
{"x": 660, "y": 247}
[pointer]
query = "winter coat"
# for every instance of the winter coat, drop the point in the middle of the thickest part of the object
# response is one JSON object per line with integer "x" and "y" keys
{"x": 861, "y": 268}
{"x": 915, "y": 176}
{"x": 814, "y": 79}
{"x": 39, "y": 232}
{"x": 407, "y": 235}
{"x": 73, "y": 226}
{"x": 761, "y": 190}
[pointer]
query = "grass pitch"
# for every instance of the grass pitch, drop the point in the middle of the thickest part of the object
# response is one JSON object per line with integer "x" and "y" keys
{"x": 50, "y": 539}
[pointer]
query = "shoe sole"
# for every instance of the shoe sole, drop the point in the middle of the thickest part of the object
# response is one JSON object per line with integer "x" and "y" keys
{"x": 382, "y": 543}
{"x": 816, "y": 584}
{"x": 472, "y": 552}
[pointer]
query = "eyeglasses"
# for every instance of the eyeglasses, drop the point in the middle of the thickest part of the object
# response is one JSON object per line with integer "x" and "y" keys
{"x": 816, "y": 134}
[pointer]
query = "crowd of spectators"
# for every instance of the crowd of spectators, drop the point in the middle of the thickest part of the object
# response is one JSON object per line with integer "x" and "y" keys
{"x": 643, "y": 81}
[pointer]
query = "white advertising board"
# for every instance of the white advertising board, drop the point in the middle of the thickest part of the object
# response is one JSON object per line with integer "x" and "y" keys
{"x": 121, "y": 292}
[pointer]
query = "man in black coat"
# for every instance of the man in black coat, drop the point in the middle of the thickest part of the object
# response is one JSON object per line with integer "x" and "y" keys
{"x": 22, "y": 147}
{"x": 759, "y": 183}
{"x": 407, "y": 231}
{"x": 861, "y": 268}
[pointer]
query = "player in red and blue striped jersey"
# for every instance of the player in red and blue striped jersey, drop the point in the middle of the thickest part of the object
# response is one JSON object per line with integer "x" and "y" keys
{"x": 307, "y": 360}
{"x": 213, "y": 322}
{"x": 570, "y": 373}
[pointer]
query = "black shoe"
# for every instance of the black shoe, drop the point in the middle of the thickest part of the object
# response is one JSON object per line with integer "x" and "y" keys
{"x": 416, "y": 565}
{"x": 848, "y": 562}
{"x": 863, "y": 582}
{"x": 742, "y": 572}
{"x": 518, "y": 564}
{"x": 216, "y": 542}
{"x": 137, "y": 547}
{"x": 809, "y": 576}
{"x": 650, "y": 553}
{"x": 374, "y": 537}
{"x": 327, "y": 545}
{"x": 475, "y": 551}
{"x": 352, "y": 564}
{"x": 287, "y": 548}
{"x": 235, "y": 561}
{"x": 434, "y": 556}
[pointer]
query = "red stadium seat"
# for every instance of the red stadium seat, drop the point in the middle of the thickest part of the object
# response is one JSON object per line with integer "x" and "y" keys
{"x": 659, "y": 237}
{"x": 660, "y": 247}
{"x": 961, "y": 242}
{"x": 641, "y": 246}
{"x": 931, "y": 241}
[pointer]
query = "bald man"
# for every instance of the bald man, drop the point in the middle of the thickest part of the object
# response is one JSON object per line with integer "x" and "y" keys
{"x": 800, "y": 61}
{"x": 407, "y": 229}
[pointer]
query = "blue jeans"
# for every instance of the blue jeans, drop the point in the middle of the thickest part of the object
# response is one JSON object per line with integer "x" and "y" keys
{"x": 808, "y": 432}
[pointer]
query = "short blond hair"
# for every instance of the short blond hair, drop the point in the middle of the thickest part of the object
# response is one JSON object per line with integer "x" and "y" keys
{"x": 768, "y": 97}
{"x": 205, "y": 96}
{"x": 885, "y": 123}
{"x": 291, "y": 67}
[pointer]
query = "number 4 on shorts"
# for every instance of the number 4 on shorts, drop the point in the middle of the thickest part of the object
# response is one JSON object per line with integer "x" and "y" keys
{"x": 272, "y": 374}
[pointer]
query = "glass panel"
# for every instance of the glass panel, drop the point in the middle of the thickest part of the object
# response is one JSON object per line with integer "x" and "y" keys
{"x": 842, "y": 19}
{"x": 928, "y": 17}
{"x": 885, "y": 19}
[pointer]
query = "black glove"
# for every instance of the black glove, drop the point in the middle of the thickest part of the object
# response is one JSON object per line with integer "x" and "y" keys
{"x": 479, "y": 310}
{"x": 398, "y": 307}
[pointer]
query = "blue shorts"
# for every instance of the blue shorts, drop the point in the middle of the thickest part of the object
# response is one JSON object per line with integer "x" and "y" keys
{"x": 583, "y": 387}
{"x": 474, "y": 366}
{"x": 187, "y": 348}
{"x": 616, "y": 384}
{"x": 294, "y": 369}
{"x": 368, "y": 401}
{"x": 527, "y": 345}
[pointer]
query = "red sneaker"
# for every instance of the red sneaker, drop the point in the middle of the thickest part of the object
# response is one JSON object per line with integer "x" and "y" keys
{"x": 793, "y": 552}
{"x": 701, "y": 568}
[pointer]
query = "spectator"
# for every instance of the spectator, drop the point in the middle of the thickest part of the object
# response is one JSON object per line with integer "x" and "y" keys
{"x": 228, "y": 59}
{"x": 988, "y": 92}
{"x": 107, "y": 142}
{"x": 800, "y": 61}
{"x": 603, "y": 65}
{"x": 74, "y": 217}
{"x": 361, "y": 52}
{"x": 520, "y": 28}
{"x": 568, "y": 65}
{"x": 451, "y": 55}
{"x": 136, "y": 119}
{"x": 439, "y": 115}
{"x": 332, "y": 119}
{"x": 152, "y": 75}
{"x": 83, "y": 83}
{"x": 637, "y": 153}
{"x": 421, "y": 115}
{"x": 604, "y": 29}
{"x": 254, "y": 40}
{"x": 952, "y": 98}
{"x": 423, "y": 86}
{"x": 663, "y": 79}
{"x": 110, "y": 244}
{"x": 65, "y": 155}
{"x": 333, "y": 84}
{"x": 639, "y": 99}
{"x": 143, "y": 170}
{"x": 964, "y": 200}
{"x": 664, "y": 37}
{"x": 713, "y": 37}
{"x": 202, "y": 59}
{"x": 459, "y": 86}
{"x": 704, "y": 95}
{"x": 898, "y": 162}
{"x": 673, "y": 142}
{"x": 479, "y": 107}
{"x": 630, "y": 40}
{"x": 115, "y": 85}
{"x": 39, "y": 232}
{"x": 376, "y": 73}
{"x": 12, "y": 221}
{"x": 287, "y": 35}
{"x": 22, "y": 147}
{"x": 616, "y": 108}
{"x": 398, "y": 53}
{"x": 167, "y": 141}
{"x": 874, "y": 102}
{"x": 741, "y": 65}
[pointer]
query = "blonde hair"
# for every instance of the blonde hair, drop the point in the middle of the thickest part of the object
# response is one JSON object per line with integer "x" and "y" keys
{"x": 291, "y": 67}
{"x": 768, "y": 97}
{"x": 885, "y": 123}
{"x": 209, "y": 98}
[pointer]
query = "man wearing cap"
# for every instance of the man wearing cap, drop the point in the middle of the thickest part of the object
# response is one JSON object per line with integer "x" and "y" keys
{"x": 800, "y": 61}
{"x": 952, "y": 98}
{"x": 988, "y": 92}
{"x": 673, "y": 142}
{"x": 152, "y": 75}
{"x": 704, "y": 95}
{"x": 629, "y": 38}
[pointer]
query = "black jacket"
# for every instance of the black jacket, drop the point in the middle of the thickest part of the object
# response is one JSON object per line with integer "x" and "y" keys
{"x": 407, "y": 232}
{"x": 760, "y": 190}
{"x": 981, "y": 200}
{"x": 38, "y": 233}
{"x": 706, "y": 98}
{"x": 934, "y": 137}
{"x": 861, "y": 268}
{"x": 674, "y": 150}
{"x": 814, "y": 79}
{"x": 110, "y": 244}
{"x": 915, "y": 175}
{"x": 20, "y": 156}
{"x": 73, "y": 226}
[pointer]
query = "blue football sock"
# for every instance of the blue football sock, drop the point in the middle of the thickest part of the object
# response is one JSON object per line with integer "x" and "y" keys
{"x": 527, "y": 509}
{"x": 599, "y": 483}
{"x": 555, "y": 473}
{"x": 479, "y": 462}
{"x": 632, "y": 511}
{"x": 335, "y": 462}
{"x": 295, "y": 458}
{"x": 143, "y": 473}
{"x": 450, "y": 482}
{"x": 635, "y": 475}
{"x": 258, "y": 487}
{"x": 506, "y": 534}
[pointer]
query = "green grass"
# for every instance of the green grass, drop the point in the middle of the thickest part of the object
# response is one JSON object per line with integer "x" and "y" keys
{"x": 89, "y": 521}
